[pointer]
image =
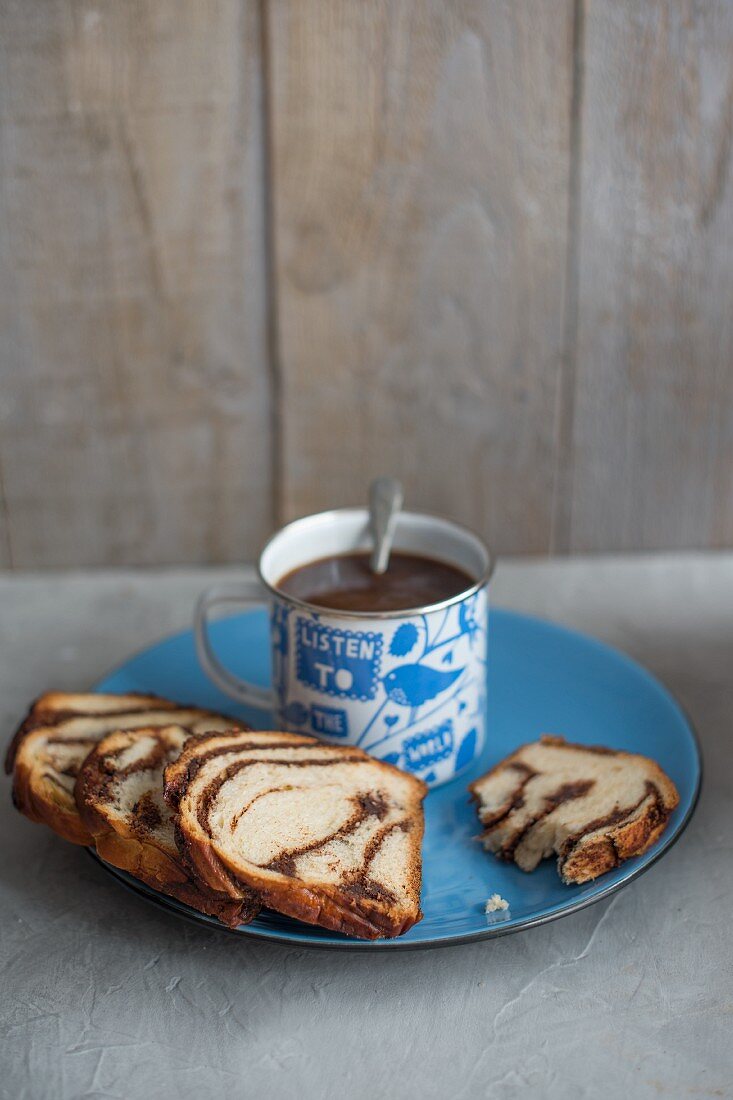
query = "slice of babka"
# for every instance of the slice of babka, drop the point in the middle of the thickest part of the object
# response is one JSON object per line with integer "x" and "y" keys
{"x": 324, "y": 833}
{"x": 53, "y": 741}
{"x": 591, "y": 806}
{"x": 119, "y": 794}
{"x": 54, "y": 706}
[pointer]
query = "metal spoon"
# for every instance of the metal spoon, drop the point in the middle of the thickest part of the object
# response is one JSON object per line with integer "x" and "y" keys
{"x": 385, "y": 502}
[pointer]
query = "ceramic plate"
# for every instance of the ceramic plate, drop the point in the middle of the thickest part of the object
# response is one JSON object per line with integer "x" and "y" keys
{"x": 541, "y": 679}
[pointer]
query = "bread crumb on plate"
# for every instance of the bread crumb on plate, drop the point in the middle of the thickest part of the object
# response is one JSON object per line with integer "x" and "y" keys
{"x": 495, "y": 903}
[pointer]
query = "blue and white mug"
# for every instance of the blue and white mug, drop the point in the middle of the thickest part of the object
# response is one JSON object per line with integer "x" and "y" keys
{"x": 407, "y": 686}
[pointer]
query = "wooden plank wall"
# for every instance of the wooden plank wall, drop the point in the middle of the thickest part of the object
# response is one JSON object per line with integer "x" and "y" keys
{"x": 136, "y": 397}
{"x": 652, "y": 449}
{"x": 421, "y": 153}
{"x": 254, "y": 253}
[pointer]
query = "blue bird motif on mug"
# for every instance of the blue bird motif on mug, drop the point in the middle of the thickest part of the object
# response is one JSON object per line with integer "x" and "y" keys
{"x": 415, "y": 684}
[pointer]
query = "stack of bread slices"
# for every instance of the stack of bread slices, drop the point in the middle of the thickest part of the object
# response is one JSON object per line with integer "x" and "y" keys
{"x": 228, "y": 820}
{"x": 224, "y": 818}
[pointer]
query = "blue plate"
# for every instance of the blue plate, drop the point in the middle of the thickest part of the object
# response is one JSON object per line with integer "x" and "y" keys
{"x": 541, "y": 679}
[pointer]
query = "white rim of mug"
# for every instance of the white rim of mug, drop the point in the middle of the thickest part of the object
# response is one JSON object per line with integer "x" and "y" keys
{"x": 401, "y": 613}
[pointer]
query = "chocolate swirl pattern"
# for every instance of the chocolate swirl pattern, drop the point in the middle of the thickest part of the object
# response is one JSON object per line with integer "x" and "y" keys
{"x": 51, "y": 744}
{"x": 590, "y": 806}
{"x": 119, "y": 793}
{"x": 323, "y": 833}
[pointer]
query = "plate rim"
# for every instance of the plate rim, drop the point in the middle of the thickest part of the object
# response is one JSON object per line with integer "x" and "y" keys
{"x": 494, "y": 931}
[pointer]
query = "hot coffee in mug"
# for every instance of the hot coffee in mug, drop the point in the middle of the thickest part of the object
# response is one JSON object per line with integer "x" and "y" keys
{"x": 346, "y": 582}
{"x": 394, "y": 663}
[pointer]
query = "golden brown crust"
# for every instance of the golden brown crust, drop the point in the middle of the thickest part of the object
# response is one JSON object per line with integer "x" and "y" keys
{"x": 151, "y": 867}
{"x": 585, "y": 862}
{"x": 335, "y": 912}
{"x": 46, "y": 805}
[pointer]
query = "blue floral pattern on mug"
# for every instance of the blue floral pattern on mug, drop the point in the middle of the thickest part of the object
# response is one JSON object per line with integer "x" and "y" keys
{"x": 410, "y": 690}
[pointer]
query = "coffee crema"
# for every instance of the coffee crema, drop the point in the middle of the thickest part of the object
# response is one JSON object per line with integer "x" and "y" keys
{"x": 345, "y": 582}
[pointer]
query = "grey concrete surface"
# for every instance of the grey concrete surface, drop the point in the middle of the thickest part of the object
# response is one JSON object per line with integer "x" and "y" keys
{"x": 104, "y": 996}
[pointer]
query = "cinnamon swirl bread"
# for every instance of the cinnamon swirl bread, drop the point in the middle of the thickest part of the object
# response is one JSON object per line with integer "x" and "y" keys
{"x": 592, "y": 807}
{"x": 323, "y": 833}
{"x": 119, "y": 794}
{"x": 49, "y": 747}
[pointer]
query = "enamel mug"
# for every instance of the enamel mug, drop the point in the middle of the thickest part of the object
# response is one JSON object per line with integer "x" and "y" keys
{"x": 407, "y": 686}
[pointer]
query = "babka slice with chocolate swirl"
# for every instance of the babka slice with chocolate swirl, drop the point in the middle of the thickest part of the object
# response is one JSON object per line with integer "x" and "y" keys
{"x": 324, "y": 833}
{"x": 50, "y": 746}
{"x": 119, "y": 794}
{"x": 55, "y": 706}
{"x": 593, "y": 807}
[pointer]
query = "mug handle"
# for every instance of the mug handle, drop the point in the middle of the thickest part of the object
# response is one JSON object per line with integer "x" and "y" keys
{"x": 241, "y": 592}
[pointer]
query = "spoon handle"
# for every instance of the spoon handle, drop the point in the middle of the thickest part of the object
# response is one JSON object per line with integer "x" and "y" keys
{"x": 385, "y": 502}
